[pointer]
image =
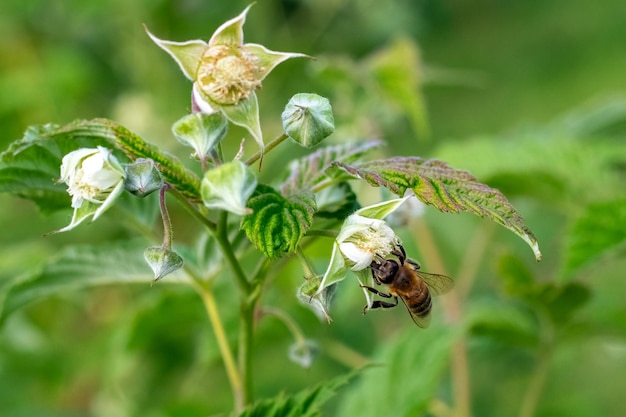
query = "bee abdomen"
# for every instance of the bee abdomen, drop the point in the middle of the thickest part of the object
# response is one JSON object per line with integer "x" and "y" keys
{"x": 421, "y": 305}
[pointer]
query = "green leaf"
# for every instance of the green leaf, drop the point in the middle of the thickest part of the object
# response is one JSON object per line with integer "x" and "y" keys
{"x": 599, "y": 233}
{"x": 81, "y": 267}
{"x": 31, "y": 165}
{"x": 414, "y": 364}
{"x": 397, "y": 69}
{"x": 564, "y": 301}
{"x": 173, "y": 171}
{"x": 310, "y": 170}
{"x": 577, "y": 170}
{"x": 504, "y": 322}
{"x": 277, "y": 224}
{"x": 449, "y": 190}
{"x": 306, "y": 403}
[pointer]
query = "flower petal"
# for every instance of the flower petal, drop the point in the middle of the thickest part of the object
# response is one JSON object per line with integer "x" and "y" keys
{"x": 246, "y": 114}
{"x": 231, "y": 31}
{"x": 267, "y": 60}
{"x": 186, "y": 54}
{"x": 200, "y": 102}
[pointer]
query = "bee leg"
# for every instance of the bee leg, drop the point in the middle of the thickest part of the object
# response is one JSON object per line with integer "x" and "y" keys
{"x": 400, "y": 253}
{"x": 379, "y": 303}
{"x": 375, "y": 291}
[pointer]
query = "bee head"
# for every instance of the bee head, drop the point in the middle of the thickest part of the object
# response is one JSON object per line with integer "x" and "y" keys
{"x": 386, "y": 272}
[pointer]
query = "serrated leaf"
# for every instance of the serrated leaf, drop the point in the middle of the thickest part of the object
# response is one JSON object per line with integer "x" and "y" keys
{"x": 578, "y": 170}
{"x": 306, "y": 403}
{"x": 447, "y": 189}
{"x": 310, "y": 170}
{"x": 415, "y": 363}
{"x": 277, "y": 224}
{"x": 31, "y": 165}
{"x": 598, "y": 233}
{"x": 81, "y": 267}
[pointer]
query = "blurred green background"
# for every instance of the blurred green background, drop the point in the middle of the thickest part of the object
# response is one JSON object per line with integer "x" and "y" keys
{"x": 528, "y": 96}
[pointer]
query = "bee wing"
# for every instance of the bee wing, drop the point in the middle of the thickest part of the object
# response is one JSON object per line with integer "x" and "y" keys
{"x": 421, "y": 321}
{"x": 437, "y": 284}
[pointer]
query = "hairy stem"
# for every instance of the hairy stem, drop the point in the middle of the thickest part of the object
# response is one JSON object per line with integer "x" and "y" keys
{"x": 234, "y": 377}
{"x": 268, "y": 148}
{"x": 168, "y": 234}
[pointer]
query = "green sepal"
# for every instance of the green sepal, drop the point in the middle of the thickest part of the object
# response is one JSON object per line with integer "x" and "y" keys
{"x": 186, "y": 54}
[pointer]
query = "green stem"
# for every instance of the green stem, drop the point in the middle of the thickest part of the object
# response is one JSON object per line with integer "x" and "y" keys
{"x": 246, "y": 335}
{"x": 268, "y": 148}
{"x": 222, "y": 341}
{"x": 324, "y": 233}
{"x": 309, "y": 272}
{"x": 168, "y": 233}
{"x": 537, "y": 382}
{"x": 289, "y": 323}
{"x": 221, "y": 235}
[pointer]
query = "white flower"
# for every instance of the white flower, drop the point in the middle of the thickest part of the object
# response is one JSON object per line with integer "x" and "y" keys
{"x": 94, "y": 179}
{"x": 362, "y": 240}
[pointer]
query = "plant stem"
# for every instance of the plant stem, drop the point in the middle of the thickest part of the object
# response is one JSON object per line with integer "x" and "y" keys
{"x": 268, "y": 148}
{"x": 533, "y": 392}
{"x": 168, "y": 233}
{"x": 221, "y": 235}
{"x": 324, "y": 233}
{"x": 246, "y": 334}
{"x": 229, "y": 362}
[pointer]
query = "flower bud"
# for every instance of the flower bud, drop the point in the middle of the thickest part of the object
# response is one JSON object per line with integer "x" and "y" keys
{"x": 308, "y": 119}
{"x": 94, "y": 179}
{"x": 318, "y": 299}
{"x": 228, "y": 187}
{"x": 162, "y": 261}
{"x": 303, "y": 352}
{"x": 142, "y": 178}
{"x": 201, "y": 131}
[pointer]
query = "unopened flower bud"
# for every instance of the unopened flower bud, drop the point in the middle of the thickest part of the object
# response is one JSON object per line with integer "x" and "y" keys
{"x": 162, "y": 261}
{"x": 142, "y": 178}
{"x": 228, "y": 187}
{"x": 201, "y": 131}
{"x": 308, "y": 119}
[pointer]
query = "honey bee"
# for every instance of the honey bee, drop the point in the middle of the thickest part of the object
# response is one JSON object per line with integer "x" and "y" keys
{"x": 405, "y": 280}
